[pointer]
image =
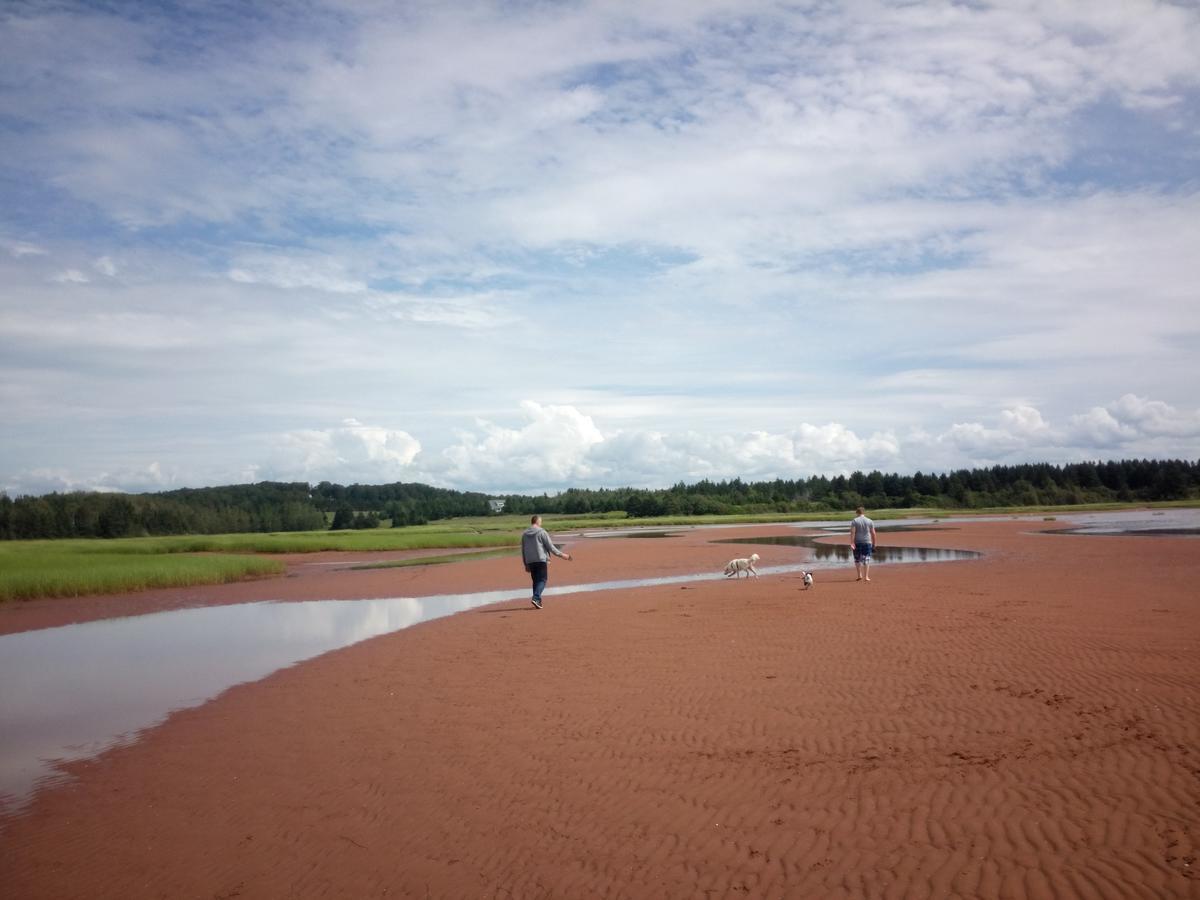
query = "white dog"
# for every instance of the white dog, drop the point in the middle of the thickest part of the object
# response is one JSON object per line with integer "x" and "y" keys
{"x": 736, "y": 567}
{"x": 807, "y": 580}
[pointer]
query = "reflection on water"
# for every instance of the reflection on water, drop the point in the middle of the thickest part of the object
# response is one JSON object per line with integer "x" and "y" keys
{"x": 843, "y": 553}
{"x": 636, "y": 533}
{"x": 1143, "y": 522}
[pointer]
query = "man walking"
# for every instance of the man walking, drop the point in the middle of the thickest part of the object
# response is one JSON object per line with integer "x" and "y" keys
{"x": 862, "y": 539}
{"x": 536, "y": 548}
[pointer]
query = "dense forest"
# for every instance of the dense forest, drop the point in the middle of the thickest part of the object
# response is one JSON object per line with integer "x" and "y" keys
{"x": 297, "y": 506}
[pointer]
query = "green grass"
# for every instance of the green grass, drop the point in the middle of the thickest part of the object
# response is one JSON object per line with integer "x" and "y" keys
{"x": 421, "y": 538}
{"x": 47, "y": 572}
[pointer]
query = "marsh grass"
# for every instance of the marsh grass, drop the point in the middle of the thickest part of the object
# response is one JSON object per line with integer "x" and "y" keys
{"x": 51, "y": 572}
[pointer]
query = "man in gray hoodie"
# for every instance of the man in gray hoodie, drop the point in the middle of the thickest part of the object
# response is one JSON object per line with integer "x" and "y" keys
{"x": 536, "y": 548}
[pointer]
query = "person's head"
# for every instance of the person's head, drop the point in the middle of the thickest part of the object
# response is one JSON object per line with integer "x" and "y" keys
{"x": 859, "y": 510}
{"x": 536, "y": 520}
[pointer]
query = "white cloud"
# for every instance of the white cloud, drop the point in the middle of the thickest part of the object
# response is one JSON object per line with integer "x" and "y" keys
{"x": 1153, "y": 417}
{"x": 1098, "y": 428}
{"x": 486, "y": 309}
{"x": 560, "y": 446}
{"x": 1129, "y": 419}
{"x": 22, "y": 248}
{"x": 352, "y": 451}
{"x": 551, "y": 448}
{"x": 71, "y": 276}
{"x": 129, "y": 479}
{"x": 290, "y": 272}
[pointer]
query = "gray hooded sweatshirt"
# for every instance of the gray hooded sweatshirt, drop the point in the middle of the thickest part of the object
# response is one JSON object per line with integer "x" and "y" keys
{"x": 536, "y": 545}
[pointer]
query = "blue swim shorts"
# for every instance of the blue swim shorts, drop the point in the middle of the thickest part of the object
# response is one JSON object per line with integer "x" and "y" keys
{"x": 862, "y": 552}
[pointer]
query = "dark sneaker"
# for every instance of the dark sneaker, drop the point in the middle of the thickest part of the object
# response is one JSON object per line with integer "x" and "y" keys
{"x": 537, "y": 602}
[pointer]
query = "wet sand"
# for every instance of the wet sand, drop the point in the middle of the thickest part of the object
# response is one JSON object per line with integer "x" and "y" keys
{"x": 1022, "y": 725}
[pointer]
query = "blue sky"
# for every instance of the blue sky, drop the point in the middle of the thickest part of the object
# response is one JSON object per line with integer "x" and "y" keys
{"x": 527, "y": 246}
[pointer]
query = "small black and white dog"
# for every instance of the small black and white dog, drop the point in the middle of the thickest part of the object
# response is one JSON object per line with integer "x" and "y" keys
{"x": 807, "y": 580}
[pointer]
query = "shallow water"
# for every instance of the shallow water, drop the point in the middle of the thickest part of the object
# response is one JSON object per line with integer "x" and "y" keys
{"x": 1166, "y": 522}
{"x": 843, "y": 553}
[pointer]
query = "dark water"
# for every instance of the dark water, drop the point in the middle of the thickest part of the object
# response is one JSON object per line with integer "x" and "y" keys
{"x": 843, "y": 553}
{"x": 646, "y": 534}
{"x": 1146, "y": 523}
{"x": 1143, "y": 532}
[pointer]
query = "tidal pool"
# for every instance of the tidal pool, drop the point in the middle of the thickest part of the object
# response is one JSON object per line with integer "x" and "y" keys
{"x": 1151, "y": 523}
{"x": 843, "y": 553}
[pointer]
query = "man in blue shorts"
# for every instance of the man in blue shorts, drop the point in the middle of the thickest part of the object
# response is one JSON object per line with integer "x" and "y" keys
{"x": 862, "y": 539}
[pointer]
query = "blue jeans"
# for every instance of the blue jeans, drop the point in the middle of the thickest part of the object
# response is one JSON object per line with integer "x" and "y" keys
{"x": 539, "y": 572}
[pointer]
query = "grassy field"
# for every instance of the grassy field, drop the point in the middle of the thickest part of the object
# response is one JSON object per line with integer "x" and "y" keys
{"x": 46, "y": 571}
{"x": 75, "y": 567}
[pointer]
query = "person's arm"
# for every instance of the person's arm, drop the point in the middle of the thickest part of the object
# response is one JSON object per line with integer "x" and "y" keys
{"x": 852, "y": 532}
{"x": 874, "y": 537}
{"x": 549, "y": 544}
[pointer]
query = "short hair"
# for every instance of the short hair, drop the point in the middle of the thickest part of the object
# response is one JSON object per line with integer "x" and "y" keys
{"x": 535, "y": 519}
{"x": 859, "y": 510}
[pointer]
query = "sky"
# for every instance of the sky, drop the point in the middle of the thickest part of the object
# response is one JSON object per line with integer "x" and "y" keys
{"x": 525, "y": 246}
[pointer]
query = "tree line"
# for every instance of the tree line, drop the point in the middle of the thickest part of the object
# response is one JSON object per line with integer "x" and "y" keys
{"x": 1033, "y": 484}
{"x": 298, "y": 506}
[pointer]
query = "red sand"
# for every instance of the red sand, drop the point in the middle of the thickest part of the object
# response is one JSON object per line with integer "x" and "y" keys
{"x": 1024, "y": 725}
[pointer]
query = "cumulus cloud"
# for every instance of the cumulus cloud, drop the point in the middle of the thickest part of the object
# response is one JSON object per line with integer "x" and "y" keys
{"x": 1131, "y": 418}
{"x": 654, "y": 458}
{"x": 1098, "y": 428}
{"x": 1155, "y": 417}
{"x": 562, "y": 447}
{"x": 352, "y": 451}
{"x": 1019, "y": 428}
{"x": 549, "y": 449}
{"x": 556, "y": 447}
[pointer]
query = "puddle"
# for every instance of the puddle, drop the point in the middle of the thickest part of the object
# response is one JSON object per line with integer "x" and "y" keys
{"x": 843, "y": 552}
{"x": 640, "y": 534}
{"x": 1163, "y": 523}
{"x": 635, "y": 533}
